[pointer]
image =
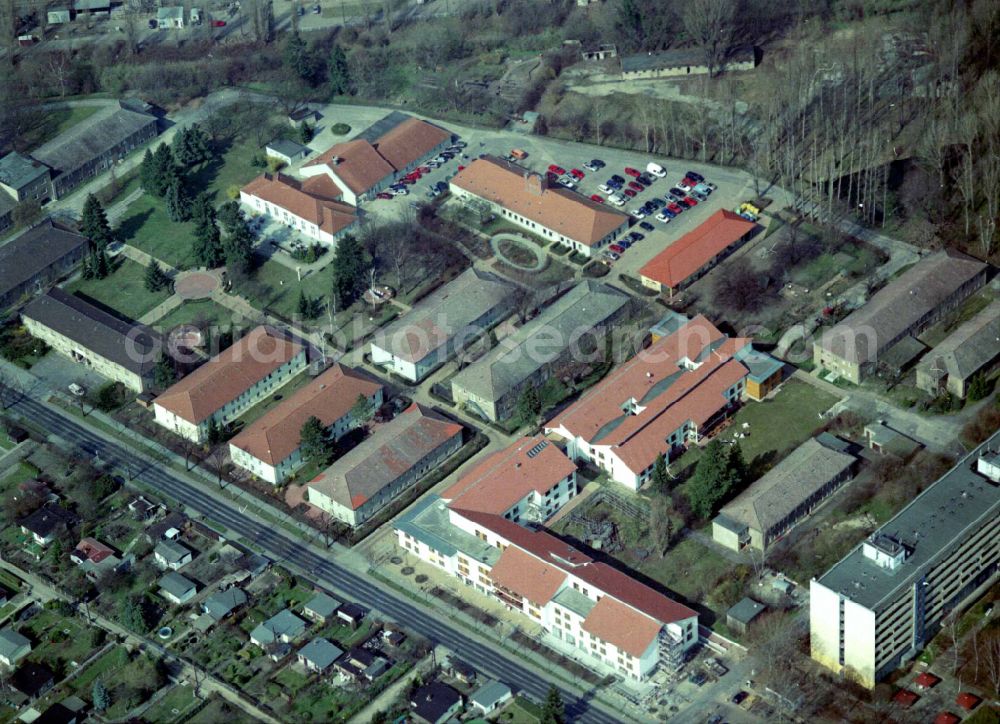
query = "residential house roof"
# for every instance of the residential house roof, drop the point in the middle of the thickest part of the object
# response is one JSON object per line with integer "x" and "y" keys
{"x": 11, "y": 642}
{"x": 323, "y": 605}
{"x": 177, "y": 585}
{"x": 527, "y": 576}
{"x": 92, "y": 137}
{"x": 628, "y": 629}
{"x": 58, "y": 713}
{"x": 329, "y": 397}
{"x": 130, "y": 345}
{"x": 431, "y": 702}
{"x": 171, "y": 551}
{"x": 284, "y": 623}
{"x": 489, "y": 694}
{"x": 287, "y": 147}
{"x": 172, "y": 13}
{"x": 448, "y": 313}
{"x": 967, "y": 349}
{"x": 221, "y": 603}
{"x": 229, "y": 374}
{"x": 745, "y": 610}
{"x": 320, "y": 653}
{"x": 776, "y": 495}
{"x": 18, "y": 171}
{"x": 505, "y": 477}
{"x": 91, "y": 549}
{"x": 409, "y": 140}
{"x": 672, "y": 266}
{"x": 388, "y": 454}
{"x": 542, "y": 340}
{"x": 680, "y": 378}
{"x": 513, "y": 187}
{"x": 356, "y": 163}
{"x": 32, "y": 679}
{"x": 34, "y": 251}
{"x": 46, "y": 520}
{"x": 900, "y": 305}
{"x": 314, "y": 199}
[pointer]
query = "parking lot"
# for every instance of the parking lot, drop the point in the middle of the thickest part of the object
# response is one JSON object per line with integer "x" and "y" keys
{"x": 734, "y": 185}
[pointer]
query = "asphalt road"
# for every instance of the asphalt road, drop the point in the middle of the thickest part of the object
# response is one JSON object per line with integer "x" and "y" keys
{"x": 282, "y": 548}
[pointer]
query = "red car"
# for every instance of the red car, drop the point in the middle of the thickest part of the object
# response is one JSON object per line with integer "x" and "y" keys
{"x": 689, "y": 202}
{"x": 557, "y": 170}
{"x": 461, "y": 168}
{"x": 383, "y": 195}
{"x": 598, "y": 199}
{"x": 632, "y": 172}
{"x": 617, "y": 249}
{"x": 218, "y": 23}
{"x": 412, "y": 176}
{"x": 629, "y": 192}
{"x": 636, "y": 186}
{"x": 675, "y": 208}
{"x": 424, "y": 169}
{"x": 408, "y": 181}
{"x": 577, "y": 174}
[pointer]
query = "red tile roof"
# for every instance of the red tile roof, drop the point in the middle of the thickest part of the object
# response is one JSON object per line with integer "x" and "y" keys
{"x": 311, "y": 200}
{"x": 329, "y": 397}
{"x": 502, "y": 479}
{"x": 618, "y": 624}
{"x": 410, "y": 141}
{"x": 967, "y": 700}
{"x": 666, "y": 390}
{"x": 526, "y": 576}
{"x": 696, "y": 248}
{"x": 566, "y": 212}
{"x": 946, "y": 717}
{"x": 229, "y": 374}
{"x": 927, "y": 680}
{"x": 905, "y": 698}
{"x": 93, "y": 550}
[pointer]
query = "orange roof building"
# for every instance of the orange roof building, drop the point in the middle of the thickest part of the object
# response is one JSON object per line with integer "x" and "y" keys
{"x": 269, "y": 447}
{"x": 527, "y": 482}
{"x": 378, "y": 156}
{"x": 549, "y": 211}
{"x": 312, "y": 207}
{"x": 696, "y": 252}
{"x": 230, "y": 383}
{"x": 373, "y": 474}
{"x": 661, "y": 400}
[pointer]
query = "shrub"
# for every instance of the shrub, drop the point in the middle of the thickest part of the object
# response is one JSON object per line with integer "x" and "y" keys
{"x": 340, "y": 129}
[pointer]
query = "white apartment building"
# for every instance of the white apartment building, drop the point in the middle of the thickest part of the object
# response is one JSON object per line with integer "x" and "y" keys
{"x": 312, "y": 207}
{"x": 880, "y": 605}
{"x": 230, "y": 383}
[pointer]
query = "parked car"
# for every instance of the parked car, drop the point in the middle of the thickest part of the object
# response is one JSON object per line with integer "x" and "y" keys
{"x": 698, "y": 195}
{"x": 598, "y": 199}
{"x": 656, "y": 202}
{"x": 216, "y": 23}
{"x": 703, "y": 188}
{"x": 76, "y": 389}
{"x": 639, "y": 213}
{"x": 152, "y": 23}
{"x": 689, "y": 202}
{"x": 665, "y": 216}
{"x": 604, "y": 189}
{"x": 696, "y": 176}
{"x": 675, "y": 208}
{"x": 617, "y": 249}
{"x": 617, "y": 200}
{"x": 400, "y": 192}
{"x": 316, "y": 10}
{"x": 636, "y": 236}
{"x": 739, "y": 697}
{"x": 557, "y": 170}
{"x": 686, "y": 185}
{"x": 383, "y": 195}
{"x": 646, "y": 179}
{"x": 656, "y": 169}
{"x": 675, "y": 193}
{"x": 630, "y": 193}
{"x": 594, "y": 165}
{"x": 568, "y": 182}
{"x": 624, "y": 243}
{"x": 608, "y": 254}
{"x": 577, "y": 174}
{"x": 618, "y": 179}
{"x": 641, "y": 181}
{"x": 632, "y": 172}
{"x": 635, "y": 186}
{"x": 647, "y": 226}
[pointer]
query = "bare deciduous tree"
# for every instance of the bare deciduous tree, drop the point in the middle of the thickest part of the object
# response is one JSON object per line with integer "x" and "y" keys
{"x": 710, "y": 25}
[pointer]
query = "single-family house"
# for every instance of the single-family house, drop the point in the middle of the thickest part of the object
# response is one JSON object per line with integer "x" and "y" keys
{"x": 321, "y": 608}
{"x": 177, "y": 589}
{"x": 13, "y": 647}
{"x": 32, "y": 679}
{"x": 170, "y": 16}
{"x": 313, "y": 207}
{"x": 269, "y": 448}
{"x": 230, "y": 383}
{"x": 394, "y": 457}
{"x": 378, "y": 156}
{"x": 441, "y": 324}
{"x": 283, "y": 627}
{"x": 362, "y": 664}
{"x": 435, "y": 703}
{"x": 172, "y": 554}
{"x": 740, "y": 616}
{"x": 529, "y": 200}
{"x": 286, "y": 151}
{"x": 94, "y": 558}
{"x": 352, "y": 614}
{"x": 46, "y": 523}
{"x": 319, "y": 655}
{"x": 222, "y": 603}
{"x": 490, "y": 696}
{"x": 121, "y": 351}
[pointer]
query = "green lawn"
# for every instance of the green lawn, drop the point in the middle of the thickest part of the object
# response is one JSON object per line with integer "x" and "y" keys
{"x": 689, "y": 568}
{"x": 255, "y": 412}
{"x": 5, "y": 442}
{"x": 109, "y": 662}
{"x": 275, "y": 286}
{"x": 173, "y": 707}
{"x": 232, "y": 168}
{"x": 215, "y": 711}
{"x": 521, "y": 711}
{"x": 202, "y": 311}
{"x": 145, "y": 225}
{"x": 19, "y": 474}
{"x": 122, "y": 291}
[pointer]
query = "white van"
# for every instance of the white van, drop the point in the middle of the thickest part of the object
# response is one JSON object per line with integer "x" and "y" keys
{"x": 656, "y": 169}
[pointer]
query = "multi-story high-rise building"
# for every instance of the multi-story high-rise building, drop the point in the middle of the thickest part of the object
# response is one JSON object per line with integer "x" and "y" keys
{"x": 886, "y": 599}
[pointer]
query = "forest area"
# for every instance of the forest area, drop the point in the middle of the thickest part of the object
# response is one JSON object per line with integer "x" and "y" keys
{"x": 888, "y": 109}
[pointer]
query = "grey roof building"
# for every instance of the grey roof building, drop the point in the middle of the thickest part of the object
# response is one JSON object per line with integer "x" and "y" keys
{"x": 453, "y": 315}
{"x": 171, "y": 554}
{"x": 23, "y": 177}
{"x": 879, "y": 605}
{"x": 490, "y": 386}
{"x": 321, "y": 607}
{"x": 95, "y": 144}
{"x": 177, "y": 588}
{"x": 282, "y": 627}
{"x": 13, "y": 646}
{"x": 679, "y": 58}
{"x": 973, "y": 347}
{"x": 906, "y": 306}
{"x": 373, "y": 473}
{"x": 38, "y": 258}
{"x": 122, "y": 351}
{"x": 490, "y": 696}
{"x": 222, "y": 603}
{"x": 740, "y": 616}
{"x": 772, "y": 505}
{"x": 319, "y": 655}
{"x": 287, "y": 150}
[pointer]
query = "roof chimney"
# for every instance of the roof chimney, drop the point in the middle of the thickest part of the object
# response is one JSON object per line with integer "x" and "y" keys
{"x": 335, "y": 161}
{"x": 535, "y": 183}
